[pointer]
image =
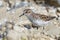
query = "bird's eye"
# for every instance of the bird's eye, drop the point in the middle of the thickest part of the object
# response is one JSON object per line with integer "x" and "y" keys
{"x": 28, "y": 11}
{"x": 24, "y": 11}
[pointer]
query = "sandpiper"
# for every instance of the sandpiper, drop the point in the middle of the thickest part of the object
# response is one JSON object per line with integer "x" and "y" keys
{"x": 37, "y": 19}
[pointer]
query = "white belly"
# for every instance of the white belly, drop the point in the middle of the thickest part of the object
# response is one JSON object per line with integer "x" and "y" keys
{"x": 40, "y": 22}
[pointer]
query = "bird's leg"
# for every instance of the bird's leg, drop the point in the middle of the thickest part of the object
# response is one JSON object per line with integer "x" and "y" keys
{"x": 37, "y": 27}
{"x": 43, "y": 30}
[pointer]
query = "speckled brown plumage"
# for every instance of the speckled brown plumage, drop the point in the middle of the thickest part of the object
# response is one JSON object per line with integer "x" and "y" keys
{"x": 37, "y": 16}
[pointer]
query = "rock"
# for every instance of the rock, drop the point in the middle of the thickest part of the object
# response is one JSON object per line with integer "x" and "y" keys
{"x": 24, "y": 38}
{"x": 52, "y": 11}
{"x": 14, "y": 34}
{"x": 42, "y": 10}
{"x": 54, "y": 32}
{"x": 19, "y": 32}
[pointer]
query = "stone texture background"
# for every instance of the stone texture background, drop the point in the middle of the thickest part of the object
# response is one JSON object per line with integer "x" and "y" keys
{"x": 51, "y": 31}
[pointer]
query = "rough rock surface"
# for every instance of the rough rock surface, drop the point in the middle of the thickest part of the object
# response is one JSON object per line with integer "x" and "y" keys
{"x": 19, "y": 32}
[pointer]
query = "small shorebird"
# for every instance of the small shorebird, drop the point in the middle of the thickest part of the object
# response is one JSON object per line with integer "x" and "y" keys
{"x": 37, "y": 19}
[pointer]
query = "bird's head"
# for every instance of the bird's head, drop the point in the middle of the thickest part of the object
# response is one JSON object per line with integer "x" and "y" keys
{"x": 26, "y": 12}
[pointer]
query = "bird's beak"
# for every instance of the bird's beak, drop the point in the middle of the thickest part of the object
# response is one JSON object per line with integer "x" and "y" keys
{"x": 21, "y": 15}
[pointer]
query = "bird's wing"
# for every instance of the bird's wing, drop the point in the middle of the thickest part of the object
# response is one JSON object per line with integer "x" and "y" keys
{"x": 43, "y": 17}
